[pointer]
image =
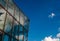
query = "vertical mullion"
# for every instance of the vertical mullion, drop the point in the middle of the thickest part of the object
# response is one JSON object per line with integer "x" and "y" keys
{"x": 13, "y": 22}
{"x": 5, "y": 18}
{"x": 27, "y": 36}
{"x": 23, "y": 33}
{"x": 19, "y": 26}
{"x": 5, "y": 21}
{"x": 9, "y": 15}
{"x": 12, "y": 25}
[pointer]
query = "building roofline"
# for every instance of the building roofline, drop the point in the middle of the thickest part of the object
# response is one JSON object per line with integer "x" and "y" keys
{"x": 21, "y": 11}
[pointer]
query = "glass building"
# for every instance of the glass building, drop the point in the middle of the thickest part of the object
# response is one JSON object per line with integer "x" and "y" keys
{"x": 14, "y": 25}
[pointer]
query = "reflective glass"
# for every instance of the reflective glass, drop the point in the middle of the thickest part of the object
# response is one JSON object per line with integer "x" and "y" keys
{"x": 2, "y": 3}
{"x": 8, "y": 24}
{"x": 21, "y": 18}
{"x": 2, "y": 17}
{"x": 16, "y": 13}
{"x": 24, "y": 23}
{"x": 11, "y": 10}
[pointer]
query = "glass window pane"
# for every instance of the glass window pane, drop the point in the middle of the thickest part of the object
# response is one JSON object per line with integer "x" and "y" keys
{"x": 16, "y": 13}
{"x": 8, "y": 25}
{"x": 11, "y": 10}
{"x": 6, "y": 38}
{"x": 2, "y": 3}
{"x": 2, "y": 17}
{"x": 21, "y": 18}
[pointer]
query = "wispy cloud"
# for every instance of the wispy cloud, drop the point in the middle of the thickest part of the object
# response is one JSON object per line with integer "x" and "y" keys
{"x": 51, "y": 15}
{"x": 59, "y": 29}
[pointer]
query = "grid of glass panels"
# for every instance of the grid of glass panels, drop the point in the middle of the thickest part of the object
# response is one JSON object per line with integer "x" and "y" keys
{"x": 15, "y": 23}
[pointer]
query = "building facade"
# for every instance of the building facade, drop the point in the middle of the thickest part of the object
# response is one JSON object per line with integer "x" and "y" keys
{"x": 14, "y": 25}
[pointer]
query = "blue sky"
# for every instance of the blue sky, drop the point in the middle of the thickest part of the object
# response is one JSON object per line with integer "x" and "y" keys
{"x": 40, "y": 14}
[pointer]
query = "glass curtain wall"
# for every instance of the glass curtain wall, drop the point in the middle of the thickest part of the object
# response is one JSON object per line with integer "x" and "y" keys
{"x": 13, "y": 22}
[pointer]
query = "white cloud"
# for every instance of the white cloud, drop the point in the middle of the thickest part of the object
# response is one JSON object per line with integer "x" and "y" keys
{"x": 58, "y": 35}
{"x": 49, "y": 38}
{"x": 51, "y": 15}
